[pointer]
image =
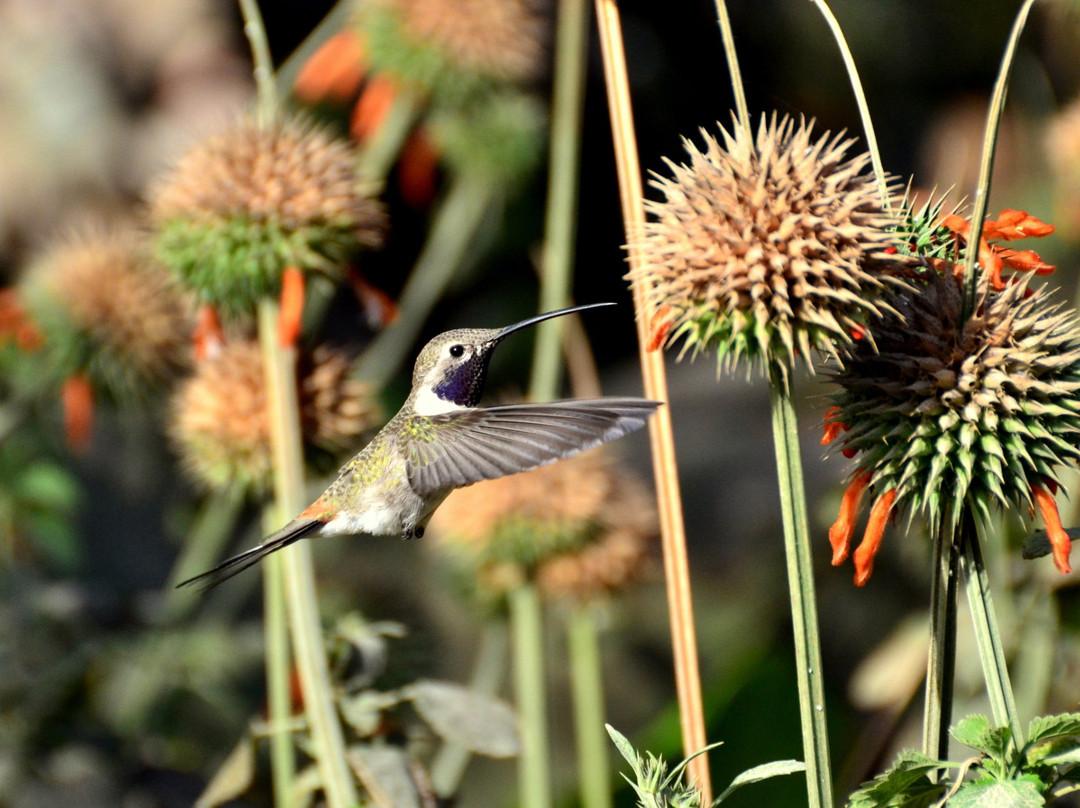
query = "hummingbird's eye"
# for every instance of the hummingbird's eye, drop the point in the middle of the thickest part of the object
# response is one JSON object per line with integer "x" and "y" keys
{"x": 457, "y": 350}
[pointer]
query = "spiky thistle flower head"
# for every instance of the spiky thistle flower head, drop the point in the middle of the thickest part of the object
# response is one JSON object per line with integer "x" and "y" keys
{"x": 765, "y": 247}
{"x": 955, "y": 411}
{"x": 455, "y": 48}
{"x": 107, "y": 310}
{"x": 244, "y": 205}
{"x": 220, "y": 424}
{"x": 580, "y": 528}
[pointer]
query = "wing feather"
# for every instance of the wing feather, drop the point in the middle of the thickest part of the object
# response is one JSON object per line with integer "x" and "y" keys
{"x": 491, "y": 442}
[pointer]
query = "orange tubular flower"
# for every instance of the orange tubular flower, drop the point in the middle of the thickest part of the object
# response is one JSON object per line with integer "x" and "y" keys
{"x": 1009, "y": 226}
{"x": 416, "y": 170}
{"x": 1059, "y": 539}
{"x": 77, "y": 397}
{"x": 871, "y": 543}
{"x": 208, "y": 335}
{"x": 15, "y": 321}
{"x": 844, "y": 527}
{"x": 292, "y": 306}
{"x": 661, "y": 324}
{"x": 372, "y": 107}
{"x": 334, "y": 71}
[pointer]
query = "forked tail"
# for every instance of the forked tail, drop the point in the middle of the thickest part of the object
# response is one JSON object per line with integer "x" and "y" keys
{"x": 292, "y": 532}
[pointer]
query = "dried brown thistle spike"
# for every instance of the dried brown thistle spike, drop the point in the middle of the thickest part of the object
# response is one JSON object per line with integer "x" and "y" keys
{"x": 765, "y": 247}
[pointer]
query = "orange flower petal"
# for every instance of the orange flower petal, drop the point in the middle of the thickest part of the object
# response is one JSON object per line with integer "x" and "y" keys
{"x": 372, "y": 107}
{"x": 1059, "y": 539}
{"x": 958, "y": 224}
{"x": 334, "y": 71}
{"x": 832, "y": 426}
{"x": 208, "y": 335}
{"x": 871, "y": 543}
{"x": 416, "y": 170}
{"x": 844, "y": 527}
{"x": 77, "y": 398}
{"x": 292, "y": 306}
{"x": 1016, "y": 224}
{"x": 1025, "y": 261}
{"x": 662, "y": 321}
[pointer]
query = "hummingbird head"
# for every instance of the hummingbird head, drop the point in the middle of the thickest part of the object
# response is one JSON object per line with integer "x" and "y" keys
{"x": 450, "y": 371}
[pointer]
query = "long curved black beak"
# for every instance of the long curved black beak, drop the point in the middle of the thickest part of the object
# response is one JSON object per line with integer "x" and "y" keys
{"x": 539, "y": 318}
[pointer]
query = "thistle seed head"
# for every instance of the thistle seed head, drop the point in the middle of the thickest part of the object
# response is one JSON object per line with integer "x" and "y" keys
{"x": 766, "y": 247}
{"x": 581, "y": 528}
{"x": 107, "y": 309}
{"x": 954, "y": 412}
{"x": 245, "y": 204}
{"x": 451, "y": 48}
{"x": 220, "y": 425}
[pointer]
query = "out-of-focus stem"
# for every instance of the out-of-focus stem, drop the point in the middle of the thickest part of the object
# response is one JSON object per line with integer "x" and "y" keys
{"x": 737, "y": 88}
{"x": 586, "y": 676}
{"x": 530, "y": 687}
{"x": 278, "y": 686}
{"x": 560, "y": 225}
{"x": 665, "y": 469}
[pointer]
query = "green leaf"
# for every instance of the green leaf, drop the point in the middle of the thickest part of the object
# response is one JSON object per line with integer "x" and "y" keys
{"x": 905, "y": 784}
{"x": 1010, "y": 794}
{"x": 1053, "y": 727}
{"x": 483, "y": 725}
{"x": 975, "y": 731}
{"x": 232, "y": 778}
{"x": 624, "y": 746}
{"x": 776, "y": 768}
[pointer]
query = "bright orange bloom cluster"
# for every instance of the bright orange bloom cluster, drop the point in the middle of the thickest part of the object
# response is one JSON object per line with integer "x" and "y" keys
{"x": 1011, "y": 225}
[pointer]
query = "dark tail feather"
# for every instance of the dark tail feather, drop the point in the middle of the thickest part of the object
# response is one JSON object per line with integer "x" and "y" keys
{"x": 292, "y": 532}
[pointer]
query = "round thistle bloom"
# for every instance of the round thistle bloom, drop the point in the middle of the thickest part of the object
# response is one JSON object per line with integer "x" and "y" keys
{"x": 220, "y": 425}
{"x": 766, "y": 247}
{"x": 950, "y": 414}
{"x": 580, "y": 527}
{"x": 452, "y": 48}
{"x": 107, "y": 311}
{"x": 243, "y": 206}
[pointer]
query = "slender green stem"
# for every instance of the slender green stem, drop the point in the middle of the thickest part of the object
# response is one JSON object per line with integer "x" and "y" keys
{"x": 737, "y": 87}
{"x": 941, "y": 665}
{"x": 452, "y": 233}
{"x": 803, "y": 601}
{"x": 587, "y": 679}
{"x": 530, "y": 686}
{"x": 307, "y": 638}
{"x": 381, "y": 151}
{"x": 987, "y": 632}
{"x": 278, "y": 685}
{"x": 860, "y": 100}
{"x": 986, "y": 164}
{"x": 265, "y": 85}
{"x": 560, "y": 225}
{"x": 448, "y": 766}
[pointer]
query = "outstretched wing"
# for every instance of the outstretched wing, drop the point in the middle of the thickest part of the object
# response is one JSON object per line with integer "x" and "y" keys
{"x": 292, "y": 532}
{"x": 491, "y": 442}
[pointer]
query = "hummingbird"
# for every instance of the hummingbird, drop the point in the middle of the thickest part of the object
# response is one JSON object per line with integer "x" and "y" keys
{"x": 441, "y": 439}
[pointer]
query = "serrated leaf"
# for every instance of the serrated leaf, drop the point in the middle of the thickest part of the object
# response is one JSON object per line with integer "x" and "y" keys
{"x": 484, "y": 726}
{"x": 904, "y": 784}
{"x": 776, "y": 768}
{"x": 1009, "y": 794}
{"x": 1052, "y": 727}
{"x": 975, "y": 731}
{"x": 232, "y": 778}
{"x": 384, "y": 773}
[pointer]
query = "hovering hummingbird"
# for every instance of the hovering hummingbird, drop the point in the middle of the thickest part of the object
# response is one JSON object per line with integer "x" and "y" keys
{"x": 441, "y": 440}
